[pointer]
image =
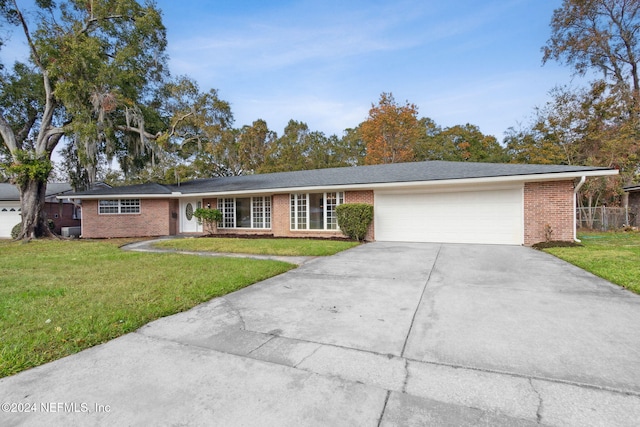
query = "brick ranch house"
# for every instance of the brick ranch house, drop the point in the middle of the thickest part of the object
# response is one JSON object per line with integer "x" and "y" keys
{"x": 434, "y": 201}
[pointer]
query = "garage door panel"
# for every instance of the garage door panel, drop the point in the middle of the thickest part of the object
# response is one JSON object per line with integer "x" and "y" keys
{"x": 9, "y": 217}
{"x": 487, "y": 216}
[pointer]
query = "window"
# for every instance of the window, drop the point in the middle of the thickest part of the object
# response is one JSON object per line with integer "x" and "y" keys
{"x": 119, "y": 206}
{"x": 245, "y": 212}
{"x": 315, "y": 211}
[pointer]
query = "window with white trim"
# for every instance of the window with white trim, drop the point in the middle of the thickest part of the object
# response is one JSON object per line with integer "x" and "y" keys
{"x": 245, "y": 212}
{"x": 315, "y": 211}
{"x": 119, "y": 206}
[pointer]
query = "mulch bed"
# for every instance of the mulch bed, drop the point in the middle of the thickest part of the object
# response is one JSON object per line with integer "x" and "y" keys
{"x": 556, "y": 244}
{"x": 271, "y": 236}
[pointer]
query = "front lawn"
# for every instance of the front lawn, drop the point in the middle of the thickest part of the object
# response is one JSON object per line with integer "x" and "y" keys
{"x": 283, "y": 247}
{"x": 614, "y": 256}
{"x": 60, "y": 297}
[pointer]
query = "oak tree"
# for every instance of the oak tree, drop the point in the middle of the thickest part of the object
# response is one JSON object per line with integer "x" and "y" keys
{"x": 93, "y": 67}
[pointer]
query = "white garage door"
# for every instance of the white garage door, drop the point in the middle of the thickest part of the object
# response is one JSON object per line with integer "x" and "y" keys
{"x": 9, "y": 216}
{"x": 486, "y": 216}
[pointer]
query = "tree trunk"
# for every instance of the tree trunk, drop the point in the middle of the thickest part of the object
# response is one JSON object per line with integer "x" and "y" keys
{"x": 34, "y": 220}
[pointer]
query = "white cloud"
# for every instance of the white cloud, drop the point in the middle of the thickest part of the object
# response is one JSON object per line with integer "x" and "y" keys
{"x": 328, "y": 115}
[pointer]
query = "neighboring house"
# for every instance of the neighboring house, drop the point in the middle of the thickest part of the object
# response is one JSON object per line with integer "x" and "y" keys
{"x": 634, "y": 199}
{"x": 63, "y": 212}
{"x": 434, "y": 201}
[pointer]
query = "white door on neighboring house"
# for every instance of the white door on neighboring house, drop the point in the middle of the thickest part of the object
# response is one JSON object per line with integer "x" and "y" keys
{"x": 188, "y": 222}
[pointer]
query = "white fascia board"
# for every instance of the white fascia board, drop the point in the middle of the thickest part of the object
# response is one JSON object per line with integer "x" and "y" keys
{"x": 465, "y": 182}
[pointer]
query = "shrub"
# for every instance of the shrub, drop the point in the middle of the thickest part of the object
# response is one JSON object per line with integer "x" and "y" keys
{"x": 209, "y": 217}
{"x": 16, "y": 230}
{"x": 354, "y": 219}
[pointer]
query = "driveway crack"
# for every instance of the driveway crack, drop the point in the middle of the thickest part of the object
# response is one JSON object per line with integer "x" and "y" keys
{"x": 306, "y": 357}
{"x": 406, "y": 376}
{"x": 235, "y": 311}
{"x": 540, "y": 401}
{"x": 415, "y": 313}
{"x": 384, "y": 407}
{"x": 261, "y": 345}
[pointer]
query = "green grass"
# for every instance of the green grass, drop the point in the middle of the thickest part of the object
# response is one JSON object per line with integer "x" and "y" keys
{"x": 614, "y": 256}
{"x": 286, "y": 247}
{"x": 60, "y": 297}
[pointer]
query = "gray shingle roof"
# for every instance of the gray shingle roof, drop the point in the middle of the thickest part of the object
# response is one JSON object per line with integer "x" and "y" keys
{"x": 375, "y": 174}
{"x": 150, "y": 188}
{"x": 10, "y": 191}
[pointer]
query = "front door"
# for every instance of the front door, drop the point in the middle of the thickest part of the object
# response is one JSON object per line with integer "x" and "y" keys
{"x": 188, "y": 222}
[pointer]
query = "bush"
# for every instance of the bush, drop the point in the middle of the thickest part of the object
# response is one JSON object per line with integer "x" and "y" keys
{"x": 16, "y": 230}
{"x": 354, "y": 219}
{"x": 209, "y": 217}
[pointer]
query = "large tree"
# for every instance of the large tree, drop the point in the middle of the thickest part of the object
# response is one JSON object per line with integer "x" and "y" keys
{"x": 601, "y": 125}
{"x": 458, "y": 143}
{"x": 93, "y": 67}
{"x": 390, "y": 132}
{"x": 600, "y": 35}
{"x": 254, "y": 141}
{"x": 289, "y": 151}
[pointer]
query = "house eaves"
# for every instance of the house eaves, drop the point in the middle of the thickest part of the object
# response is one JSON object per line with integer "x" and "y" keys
{"x": 408, "y": 185}
{"x": 399, "y": 185}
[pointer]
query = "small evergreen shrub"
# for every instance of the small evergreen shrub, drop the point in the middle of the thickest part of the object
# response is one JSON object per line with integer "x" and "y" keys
{"x": 354, "y": 219}
{"x": 209, "y": 217}
{"x": 16, "y": 230}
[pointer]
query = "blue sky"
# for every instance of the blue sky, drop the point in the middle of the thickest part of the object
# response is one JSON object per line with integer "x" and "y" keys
{"x": 324, "y": 62}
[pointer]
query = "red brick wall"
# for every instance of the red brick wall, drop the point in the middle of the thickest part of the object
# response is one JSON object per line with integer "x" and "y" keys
{"x": 154, "y": 219}
{"x": 64, "y": 213}
{"x": 548, "y": 204}
{"x": 365, "y": 196}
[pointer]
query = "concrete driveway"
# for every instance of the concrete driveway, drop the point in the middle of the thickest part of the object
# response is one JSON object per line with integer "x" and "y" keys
{"x": 385, "y": 334}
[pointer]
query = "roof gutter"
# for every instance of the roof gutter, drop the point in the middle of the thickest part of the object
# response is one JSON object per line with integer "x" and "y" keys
{"x": 575, "y": 208}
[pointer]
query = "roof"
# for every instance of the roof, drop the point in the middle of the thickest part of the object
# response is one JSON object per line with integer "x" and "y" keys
{"x": 632, "y": 188}
{"x": 356, "y": 176}
{"x": 10, "y": 192}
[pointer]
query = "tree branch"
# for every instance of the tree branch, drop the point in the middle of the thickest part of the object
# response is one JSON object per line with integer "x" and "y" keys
{"x": 173, "y": 127}
{"x": 27, "y": 34}
{"x": 7, "y": 135}
{"x": 24, "y": 132}
{"x": 92, "y": 20}
{"x": 53, "y": 138}
{"x": 47, "y": 116}
{"x": 143, "y": 133}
